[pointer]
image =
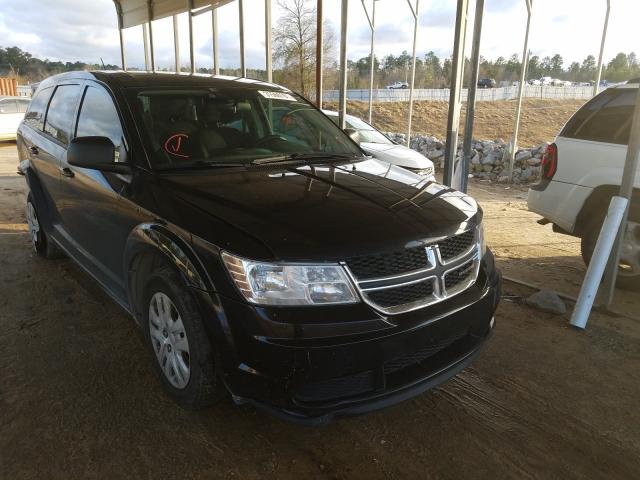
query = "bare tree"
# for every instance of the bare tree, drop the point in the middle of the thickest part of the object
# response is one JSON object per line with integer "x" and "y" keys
{"x": 294, "y": 38}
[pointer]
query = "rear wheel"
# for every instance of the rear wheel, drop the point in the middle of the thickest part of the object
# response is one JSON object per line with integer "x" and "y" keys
{"x": 183, "y": 355}
{"x": 629, "y": 267}
{"x": 41, "y": 244}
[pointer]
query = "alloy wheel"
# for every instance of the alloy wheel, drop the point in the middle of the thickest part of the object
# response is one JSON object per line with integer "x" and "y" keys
{"x": 630, "y": 251}
{"x": 169, "y": 340}
{"x": 33, "y": 225}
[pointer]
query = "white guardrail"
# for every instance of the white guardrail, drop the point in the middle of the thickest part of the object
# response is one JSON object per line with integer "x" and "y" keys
{"x": 482, "y": 95}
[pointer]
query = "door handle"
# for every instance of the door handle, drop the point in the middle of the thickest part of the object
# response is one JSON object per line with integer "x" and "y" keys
{"x": 34, "y": 150}
{"x": 67, "y": 172}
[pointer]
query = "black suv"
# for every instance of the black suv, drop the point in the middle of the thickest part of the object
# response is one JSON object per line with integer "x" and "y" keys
{"x": 486, "y": 83}
{"x": 261, "y": 252}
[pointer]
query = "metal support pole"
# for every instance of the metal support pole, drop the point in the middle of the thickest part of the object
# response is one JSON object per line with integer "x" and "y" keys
{"x": 471, "y": 98}
{"x": 192, "y": 57}
{"x": 629, "y": 176}
{"x": 145, "y": 44}
{"x": 267, "y": 40}
{"x": 453, "y": 118}
{"x": 413, "y": 66}
{"x": 120, "y": 34}
{"x": 176, "y": 43}
{"x": 153, "y": 58}
{"x": 243, "y": 67}
{"x": 372, "y": 23}
{"x": 214, "y": 31}
{"x": 342, "y": 110}
{"x": 319, "y": 53}
{"x": 602, "y": 42}
{"x": 512, "y": 148}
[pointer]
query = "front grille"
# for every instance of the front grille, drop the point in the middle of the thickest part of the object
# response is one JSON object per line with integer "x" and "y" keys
{"x": 417, "y": 356}
{"x": 456, "y": 245}
{"x": 336, "y": 388}
{"x": 458, "y": 275}
{"x": 388, "y": 264}
{"x": 391, "y": 297}
{"x": 408, "y": 260}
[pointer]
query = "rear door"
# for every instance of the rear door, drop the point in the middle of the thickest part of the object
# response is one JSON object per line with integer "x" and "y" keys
{"x": 595, "y": 140}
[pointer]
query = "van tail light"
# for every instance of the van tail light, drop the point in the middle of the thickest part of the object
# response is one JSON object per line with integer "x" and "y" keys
{"x": 549, "y": 162}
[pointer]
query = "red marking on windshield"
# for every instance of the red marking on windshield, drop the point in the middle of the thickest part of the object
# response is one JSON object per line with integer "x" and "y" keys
{"x": 173, "y": 144}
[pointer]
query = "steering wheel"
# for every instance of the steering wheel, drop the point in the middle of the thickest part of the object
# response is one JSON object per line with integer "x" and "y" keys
{"x": 268, "y": 139}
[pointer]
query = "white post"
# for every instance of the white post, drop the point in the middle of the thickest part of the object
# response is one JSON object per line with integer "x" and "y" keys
{"x": 214, "y": 32}
{"x": 598, "y": 262}
{"x": 243, "y": 67}
{"x": 342, "y": 107}
{"x": 267, "y": 40}
{"x": 510, "y": 152}
{"x": 602, "y": 42}
{"x": 413, "y": 67}
{"x": 192, "y": 56}
{"x": 145, "y": 44}
{"x": 372, "y": 24}
{"x": 176, "y": 43}
{"x": 153, "y": 58}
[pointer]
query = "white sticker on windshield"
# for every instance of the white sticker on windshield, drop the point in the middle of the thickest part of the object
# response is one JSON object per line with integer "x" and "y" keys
{"x": 277, "y": 95}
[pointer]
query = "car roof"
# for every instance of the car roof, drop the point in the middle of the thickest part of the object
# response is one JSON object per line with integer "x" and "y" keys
{"x": 122, "y": 79}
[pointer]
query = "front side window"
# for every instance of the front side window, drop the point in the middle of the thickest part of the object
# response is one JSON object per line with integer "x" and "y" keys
{"x": 8, "y": 106}
{"x": 606, "y": 118}
{"x": 366, "y": 133}
{"x": 35, "y": 114}
{"x": 234, "y": 125}
{"x": 61, "y": 112}
{"x": 99, "y": 117}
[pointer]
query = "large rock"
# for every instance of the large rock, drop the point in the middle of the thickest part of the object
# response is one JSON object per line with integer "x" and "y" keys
{"x": 523, "y": 155}
{"x": 534, "y": 162}
{"x": 547, "y": 301}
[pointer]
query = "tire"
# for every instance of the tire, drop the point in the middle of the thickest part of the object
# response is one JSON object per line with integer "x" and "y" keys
{"x": 629, "y": 277}
{"x": 186, "y": 343}
{"x": 42, "y": 244}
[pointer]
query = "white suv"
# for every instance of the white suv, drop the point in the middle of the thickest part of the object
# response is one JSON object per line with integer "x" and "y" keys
{"x": 583, "y": 169}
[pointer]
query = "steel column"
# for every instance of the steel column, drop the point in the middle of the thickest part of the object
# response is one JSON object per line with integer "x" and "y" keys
{"x": 626, "y": 190}
{"x": 319, "y": 53}
{"x": 512, "y": 148}
{"x": 145, "y": 45}
{"x": 372, "y": 24}
{"x": 192, "y": 57}
{"x": 267, "y": 40}
{"x": 243, "y": 67}
{"x": 176, "y": 44}
{"x": 120, "y": 34}
{"x": 453, "y": 118}
{"x": 342, "y": 107}
{"x": 471, "y": 97}
{"x": 214, "y": 32}
{"x": 602, "y": 42}
{"x": 413, "y": 66}
{"x": 153, "y": 58}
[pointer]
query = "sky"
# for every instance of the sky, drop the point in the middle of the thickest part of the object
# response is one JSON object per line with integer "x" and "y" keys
{"x": 86, "y": 30}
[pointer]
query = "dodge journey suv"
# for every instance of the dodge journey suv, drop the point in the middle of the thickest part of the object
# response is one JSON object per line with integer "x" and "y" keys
{"x": 261, "y": 254}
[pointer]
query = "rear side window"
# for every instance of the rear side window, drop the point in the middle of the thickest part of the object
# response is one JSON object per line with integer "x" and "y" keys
{"x": 35, "y": 114}
{"x": 8, "y": 106}
{"x": 99, "y": 117}
{"x": 61, "y": 112}
{"x": 606, "y": 118}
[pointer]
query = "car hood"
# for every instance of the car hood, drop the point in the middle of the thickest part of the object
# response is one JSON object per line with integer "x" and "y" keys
{"x": 398, "y": 155}
{"x": 307, "y": 213}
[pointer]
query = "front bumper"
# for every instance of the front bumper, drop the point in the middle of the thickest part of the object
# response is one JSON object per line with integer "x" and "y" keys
{"x": 314, "y": 371}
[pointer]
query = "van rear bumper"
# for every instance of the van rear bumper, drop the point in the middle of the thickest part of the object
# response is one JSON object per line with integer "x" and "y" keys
{"x": 559, "y": 202}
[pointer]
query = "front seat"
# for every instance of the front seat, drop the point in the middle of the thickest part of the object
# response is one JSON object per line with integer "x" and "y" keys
{"x": 210, "y": 139}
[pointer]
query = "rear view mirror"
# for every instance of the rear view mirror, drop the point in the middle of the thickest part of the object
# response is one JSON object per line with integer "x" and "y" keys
{"x": 355, "y": 136}
{"x": 97, "y": 153}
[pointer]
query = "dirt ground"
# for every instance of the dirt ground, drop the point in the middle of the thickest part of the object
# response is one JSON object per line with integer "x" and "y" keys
{"x": 79, "y": 399}
{"x": 540, "y": 120}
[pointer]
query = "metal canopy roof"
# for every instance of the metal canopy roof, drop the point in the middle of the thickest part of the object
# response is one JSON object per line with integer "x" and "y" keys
{"x": 137, "y": 12}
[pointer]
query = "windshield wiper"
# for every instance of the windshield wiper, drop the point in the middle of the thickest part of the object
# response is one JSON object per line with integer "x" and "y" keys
{"x": 305, "y": 157}
{"x": 203, "y": 164}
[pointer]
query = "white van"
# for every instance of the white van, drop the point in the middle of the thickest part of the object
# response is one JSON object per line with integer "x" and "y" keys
{"x": 582, "y": 170}
{"x": 12, "y": 111}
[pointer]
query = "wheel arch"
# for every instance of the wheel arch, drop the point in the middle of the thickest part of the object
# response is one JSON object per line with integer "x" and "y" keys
{"x": 599, "y": 201}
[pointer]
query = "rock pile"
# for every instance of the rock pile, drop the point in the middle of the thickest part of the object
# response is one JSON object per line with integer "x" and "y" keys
{"x": 486, "y": 157}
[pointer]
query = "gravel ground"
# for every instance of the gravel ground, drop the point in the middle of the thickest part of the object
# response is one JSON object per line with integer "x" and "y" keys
{"x": 78, "y": 397}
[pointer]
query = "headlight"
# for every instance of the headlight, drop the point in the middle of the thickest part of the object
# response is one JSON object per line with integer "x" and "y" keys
{"x": 481, "y": 240}
{"x": 281, "y": 284}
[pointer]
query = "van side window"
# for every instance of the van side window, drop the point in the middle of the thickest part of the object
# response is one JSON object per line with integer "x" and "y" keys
{"x": 35, "y": 114}
{"x": 99, "y": 117}
{"x": 61, "y": 112}
{"x": 606, "y": 118}
{"x": 8, "y": 106}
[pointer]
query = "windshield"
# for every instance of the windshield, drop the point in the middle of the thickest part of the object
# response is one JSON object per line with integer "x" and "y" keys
{"x": 366, "y": 133}
{"x": 235, "y": 126}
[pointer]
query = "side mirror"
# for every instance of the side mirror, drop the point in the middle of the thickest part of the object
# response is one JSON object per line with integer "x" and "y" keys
{"x": 97, "y": 153}
{"x": 355, "y": 136}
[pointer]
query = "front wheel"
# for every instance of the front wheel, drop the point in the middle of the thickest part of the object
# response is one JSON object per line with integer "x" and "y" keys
{"x": 40, "y": 242}
{"x": 629, "y": 267}
{"x": 183, "y": 355}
